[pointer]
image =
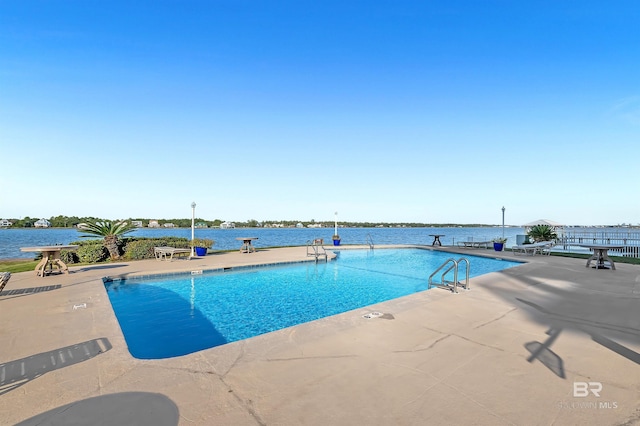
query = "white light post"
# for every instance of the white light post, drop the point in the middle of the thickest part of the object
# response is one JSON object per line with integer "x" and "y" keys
{"x": 335, "y": 230}
{"x": 503, "y": 222}
{"x": 193, "y": 218}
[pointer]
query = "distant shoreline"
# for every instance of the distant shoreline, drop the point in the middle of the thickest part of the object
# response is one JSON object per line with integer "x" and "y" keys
{"x": 380, "y": 225}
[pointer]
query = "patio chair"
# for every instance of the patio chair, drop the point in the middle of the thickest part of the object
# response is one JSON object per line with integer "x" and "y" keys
{"x": 546, "y": 246}
{"x": 4, "y": 279}
{"x": 543, "y": 247}
{"x": 164, "y": 253}
{"x": 474, "y": 244}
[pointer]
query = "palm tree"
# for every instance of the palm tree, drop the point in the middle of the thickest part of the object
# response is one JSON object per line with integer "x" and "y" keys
{"x": 110, "y": 231}
{"x": 542, "y": 233}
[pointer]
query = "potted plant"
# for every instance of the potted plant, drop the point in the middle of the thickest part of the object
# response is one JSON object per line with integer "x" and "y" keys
{"x": 336, "y": 240}
{"x": 201, "y": 245}
{"x": 498, "y": 243}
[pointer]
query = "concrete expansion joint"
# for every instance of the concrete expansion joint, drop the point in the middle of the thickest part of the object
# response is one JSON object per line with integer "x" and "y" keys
{"x": 438, "y": 341}
{"x": 479, "y": 343}
{"x": 192, "y": 371}
{"x": 247, "y": 404}
{"x": 431, "y": 346}
{"x": 303, "y": 358}
{"x": 495, "y": 319}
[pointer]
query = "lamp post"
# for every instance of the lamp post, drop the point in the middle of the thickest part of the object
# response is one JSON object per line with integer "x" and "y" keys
{"x": 193, "y": 218}
{"x": 503, "y": 222}
{"x": 335, "y": 229}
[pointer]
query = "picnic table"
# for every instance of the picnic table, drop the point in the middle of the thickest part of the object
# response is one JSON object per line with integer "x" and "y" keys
{"x": 50, "y": 258}
{"x": 600, "y": 255}
{"x": 436, "y": 239}
{"x": 247, "y": 247}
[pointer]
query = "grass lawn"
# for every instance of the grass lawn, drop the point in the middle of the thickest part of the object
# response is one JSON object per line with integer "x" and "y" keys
{"x": 14, "y": 266}
{"x": 616, "y": 259}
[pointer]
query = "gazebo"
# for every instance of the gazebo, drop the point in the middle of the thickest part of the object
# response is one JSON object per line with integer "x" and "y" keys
{"x": 555, "y": 226}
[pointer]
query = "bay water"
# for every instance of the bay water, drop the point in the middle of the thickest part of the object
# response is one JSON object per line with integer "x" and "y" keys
{"x": 226, "y": 239}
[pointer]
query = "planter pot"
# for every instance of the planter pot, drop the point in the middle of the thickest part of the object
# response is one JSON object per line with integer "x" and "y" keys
{"x": 201, "y": 251}
{"x": 498, "y": 246}
{"x": 336, "y": 242}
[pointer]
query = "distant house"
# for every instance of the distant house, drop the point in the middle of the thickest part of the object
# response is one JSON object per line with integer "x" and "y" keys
{"x": 42, "y": 223}
{"x": 136, "y": 223}
{"x": 153, "y": 224}
{"x": 169, "y": 225}
{"x": 299, "y": 225}
{"x": 4, "y": 223}
{"x": 227, "y": 225}
{"x": 201, "y": 225}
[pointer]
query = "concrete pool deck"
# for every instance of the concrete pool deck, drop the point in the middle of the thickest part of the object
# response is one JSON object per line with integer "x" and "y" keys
{"x": 548, "y": 342}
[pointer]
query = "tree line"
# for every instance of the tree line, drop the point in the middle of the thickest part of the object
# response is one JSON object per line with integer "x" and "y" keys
{"x": 73, "y": 221}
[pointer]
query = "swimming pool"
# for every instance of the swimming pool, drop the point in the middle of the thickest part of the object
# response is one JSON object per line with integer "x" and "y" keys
{"x": 182, "y": 314}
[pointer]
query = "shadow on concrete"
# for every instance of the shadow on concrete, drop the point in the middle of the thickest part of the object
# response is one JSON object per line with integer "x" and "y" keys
{"x": 601, "y": 306}
{"x": 596, "y": 337}
{"x": 14, "y": 374}
{"x": 125, "y": 408}
{"x": 29, "y": 290}
{"x": 617, "y": 348}
{"x": 546, "y": 356}
{"x": 92, "y": 268}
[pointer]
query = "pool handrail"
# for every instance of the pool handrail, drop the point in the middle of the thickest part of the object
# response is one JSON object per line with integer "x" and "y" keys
{"x": 453, "y": 286}
{"x": 317, "y": 249}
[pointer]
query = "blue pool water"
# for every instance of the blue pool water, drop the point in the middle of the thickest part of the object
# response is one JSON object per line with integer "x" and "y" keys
{"x": 175, "y": 316}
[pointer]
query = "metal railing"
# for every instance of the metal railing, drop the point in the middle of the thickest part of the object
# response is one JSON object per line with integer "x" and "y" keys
{"x": 316, "y": 248}
{"x": 370, "y": 241}
{"x": 630, "y": 240}
{"x": 451, "y": 285}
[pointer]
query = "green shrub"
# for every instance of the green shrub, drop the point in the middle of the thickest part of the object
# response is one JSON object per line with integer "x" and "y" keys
{"x": 142, "y": 248}
{"x": 69, "y": 257}
{"x": 134, "y": 248}
{"x": 92, "y": 253}
{"x": 202, "y": 242}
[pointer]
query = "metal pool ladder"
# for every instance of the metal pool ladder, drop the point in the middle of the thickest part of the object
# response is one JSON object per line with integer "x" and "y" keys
{"x": 370, "y": 241}
{"x": 316, "y": 248}
{"x": 451, "y": 285}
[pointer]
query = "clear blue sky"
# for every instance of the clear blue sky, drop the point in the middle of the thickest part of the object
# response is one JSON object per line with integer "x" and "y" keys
{"x": 416, "y": 111}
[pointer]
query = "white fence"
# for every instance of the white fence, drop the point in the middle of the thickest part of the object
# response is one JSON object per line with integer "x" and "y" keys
{"x": 569, "y": 240}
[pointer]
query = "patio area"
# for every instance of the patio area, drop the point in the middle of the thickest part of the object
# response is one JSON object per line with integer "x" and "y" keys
{"x": 548, "y": 342}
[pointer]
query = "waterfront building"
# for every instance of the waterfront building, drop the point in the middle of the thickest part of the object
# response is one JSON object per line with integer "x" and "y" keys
{"x": 42, "y": 223}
